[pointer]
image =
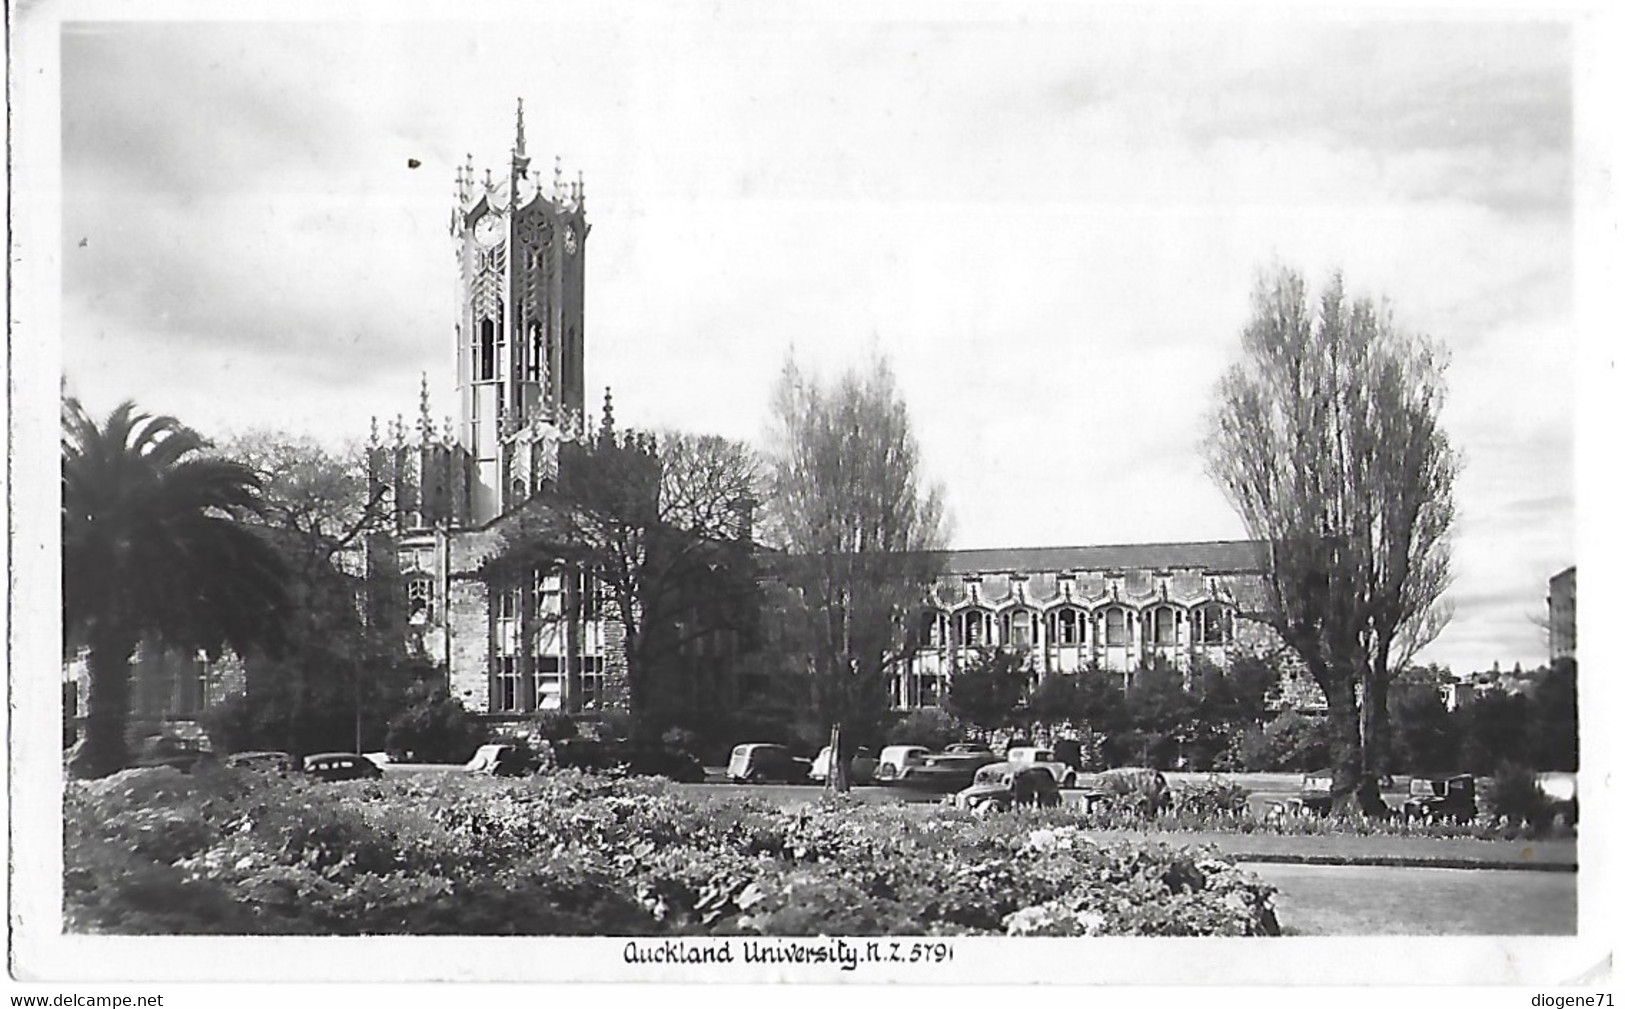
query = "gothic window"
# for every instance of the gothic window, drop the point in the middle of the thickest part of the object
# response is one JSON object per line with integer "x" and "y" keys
{"x": 535, "y": 351}
{"x": 1116, "y": 619}
{"x": 1065, "y": 627}
{"x": 934, "y": 629}
{"x": 1018, "y": 629}
{"x": 1213, "y": 625}
{"x": 590, "y": 596}
{"x": 420, "y": 599}
{"x": 974, "y": 629}
{"x": 1163, "y": 626}
{"x": 505, "y": 685}
{"x": 592, "y": 682}
{"x": 930, "y": 688}
{"x": 486, "y": 356}
{"x": 545, "y": 682}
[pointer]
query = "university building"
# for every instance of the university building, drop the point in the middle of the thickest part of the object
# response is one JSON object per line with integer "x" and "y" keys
{"x": 546, "y": 640}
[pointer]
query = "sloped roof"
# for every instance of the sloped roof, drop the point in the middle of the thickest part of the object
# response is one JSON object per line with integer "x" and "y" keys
{"x": 1215, "y": 556}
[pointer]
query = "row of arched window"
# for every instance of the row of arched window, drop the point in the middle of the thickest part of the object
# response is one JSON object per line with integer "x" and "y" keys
{"x": 1112, "y": 626}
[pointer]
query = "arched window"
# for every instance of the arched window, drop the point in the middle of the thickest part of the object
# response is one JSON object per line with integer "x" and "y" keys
{"x": 419, "y": 599}
{"x": 974, "y": 628}
{"x": 1164, "y": 626}
{"x": 487, "y": 355}
{"x": 1065, "y": 626}
{"x": 1116, "y": 625}
{"x": 933, "y": 629}
{"x": 1017, "y": 629}
{"x": 1213, "y": 624}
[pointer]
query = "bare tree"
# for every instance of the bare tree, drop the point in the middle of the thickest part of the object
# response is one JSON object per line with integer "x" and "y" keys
{"x": 1326, "y": 438}
{"x": 855, "y": 521}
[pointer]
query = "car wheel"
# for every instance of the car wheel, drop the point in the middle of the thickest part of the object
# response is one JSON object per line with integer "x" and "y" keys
{"x": 1071, "y": 780}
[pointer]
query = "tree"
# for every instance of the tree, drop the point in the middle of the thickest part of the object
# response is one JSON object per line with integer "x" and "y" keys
{"x": 1326, "y": 438}
{"x": 345, "y": 671}
{"x": 1161, "y": 712}
{"x": 1554, "y": 727}
{"x": 987, "y": 691}
{"x": 856, "y": 525}
{"x": 154, "y": 549}
{"x": 664, "y": 526}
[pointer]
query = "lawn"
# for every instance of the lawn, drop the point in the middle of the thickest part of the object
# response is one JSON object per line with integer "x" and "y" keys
{"x": 1367, "y": 900}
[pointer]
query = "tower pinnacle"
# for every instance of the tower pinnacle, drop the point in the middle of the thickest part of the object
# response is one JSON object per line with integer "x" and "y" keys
{"x": 521, "y": 163}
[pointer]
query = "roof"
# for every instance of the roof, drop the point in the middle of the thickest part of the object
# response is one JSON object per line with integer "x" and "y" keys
{"x": 1213, "y": 556}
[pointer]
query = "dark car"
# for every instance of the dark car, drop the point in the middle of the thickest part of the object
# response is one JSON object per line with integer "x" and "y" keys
{"x": 761, "y": 762}
{"x": 505, "y": 760}
{"x": 1316, "y": 794}
{"x": 341, "y": 767}
{"x": 656, "y": 760}
{"x": 180, "y": 752}
{"x": 1442, "y": 797}
{"x": 275, "y": 761}
{"x": 1004, "y": 785}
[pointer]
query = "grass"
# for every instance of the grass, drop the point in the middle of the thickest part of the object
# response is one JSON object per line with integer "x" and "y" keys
{"x": 1364, "y": 900}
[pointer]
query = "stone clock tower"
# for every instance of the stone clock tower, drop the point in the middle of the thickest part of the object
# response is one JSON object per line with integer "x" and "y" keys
{"x": 521, "y": 245}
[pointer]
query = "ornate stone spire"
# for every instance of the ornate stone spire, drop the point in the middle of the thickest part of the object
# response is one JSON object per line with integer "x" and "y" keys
{"x": 606, "y": 427}
{"x": 521, "y": 163}
{"x": 425, "y": 420}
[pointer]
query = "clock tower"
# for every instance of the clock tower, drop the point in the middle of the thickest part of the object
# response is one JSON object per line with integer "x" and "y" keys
{"x": 521, "y": 244}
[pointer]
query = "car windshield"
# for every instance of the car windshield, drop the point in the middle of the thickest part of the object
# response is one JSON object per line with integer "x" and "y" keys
{"x": 992, "y": 774}
{"x": 1427, "y": 786}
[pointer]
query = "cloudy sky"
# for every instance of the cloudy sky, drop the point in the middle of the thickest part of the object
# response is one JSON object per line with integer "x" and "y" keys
{"x": 1048, "y": 218}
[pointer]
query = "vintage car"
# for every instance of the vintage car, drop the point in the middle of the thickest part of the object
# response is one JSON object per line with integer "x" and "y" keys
{"x": 896, "y": 761}
{"x": 1037, "y": 756}
{"x": 934, "y": 772}
{"x": 1441, "y": 797}
{"x": 273, "y": 761}
{"x": 341, "y": 767}
{"x": 1315, "y": 795}
{"x": 1144, "y": 789}
{"x": 762, "y": 762}
{"x": 1002, "y": 786}
{"x": 505, "y": 760}
{"x": 860, "y": 770}
{"x": 180, "y": 752}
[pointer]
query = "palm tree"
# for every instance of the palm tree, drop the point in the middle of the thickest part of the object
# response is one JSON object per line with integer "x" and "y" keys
{"x": 152, "y": 550}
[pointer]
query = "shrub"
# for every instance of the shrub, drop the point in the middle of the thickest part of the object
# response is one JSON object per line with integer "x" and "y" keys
{"x": 553, "y": 726}
{"x": 932, "y": 728}
{"x": 434, "y": 727}
{"x": 1214, "y": 797}
{"x": 1512, "y": 795}
{"x": 566, "y": 853}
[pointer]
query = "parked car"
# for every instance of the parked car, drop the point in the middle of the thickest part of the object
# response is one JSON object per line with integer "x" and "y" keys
{"x": 1035, "y": 756}
{"x": 656, "y": 760}
{"x": 505, "y": 760}
{"x": 860, "y": 770}
{"x": 941, "y": 772}
{"x": 1143, "y": 788}
{"x": 763, "y": 762}
{"x": 274, "y": 761}
{"x": 180, "y": 752}
{"x": 895, "y": 762}
{"x": 967, "y": 748}
{"x": 1315, "y": 795}
{"x": 1006, "y": 785}
{"x": 1070, "y": 753}
{"x": 1442, "y": 797}
{"x": 341, "y": 767}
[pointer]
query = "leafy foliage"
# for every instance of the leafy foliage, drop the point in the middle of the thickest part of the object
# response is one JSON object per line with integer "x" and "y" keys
{"x": 433, "y": 726}
{"x": 153, "y": 548}
{"x": 236, "y": 852}
{"x": 932, "y": 728}
{"x": 988, "y": 690}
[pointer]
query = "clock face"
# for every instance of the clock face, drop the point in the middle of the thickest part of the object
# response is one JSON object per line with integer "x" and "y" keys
{"x": 488, "y": 231}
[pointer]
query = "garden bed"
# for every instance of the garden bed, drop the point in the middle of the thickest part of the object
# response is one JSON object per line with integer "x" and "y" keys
{"x": 231, "y": 852}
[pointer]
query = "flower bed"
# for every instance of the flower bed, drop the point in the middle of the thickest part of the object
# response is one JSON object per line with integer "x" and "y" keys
{"x": 155, "y": 851}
